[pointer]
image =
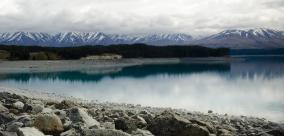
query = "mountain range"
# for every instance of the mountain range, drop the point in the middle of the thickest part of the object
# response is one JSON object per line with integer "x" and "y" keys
{"x": 245, "y": 38}
{"x": 234, "y": 38}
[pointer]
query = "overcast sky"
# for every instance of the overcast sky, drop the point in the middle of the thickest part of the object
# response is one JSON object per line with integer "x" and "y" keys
{"x": 195, "y": 17}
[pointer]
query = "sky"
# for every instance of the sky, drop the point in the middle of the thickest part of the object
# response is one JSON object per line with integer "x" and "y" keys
{"x": 196, "y": 17}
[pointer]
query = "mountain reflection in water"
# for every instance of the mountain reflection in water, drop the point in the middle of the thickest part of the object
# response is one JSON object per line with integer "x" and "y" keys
{"x": 140, "y": 71}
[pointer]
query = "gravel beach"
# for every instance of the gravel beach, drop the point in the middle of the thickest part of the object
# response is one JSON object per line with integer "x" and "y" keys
{"x": 29, "y": 113}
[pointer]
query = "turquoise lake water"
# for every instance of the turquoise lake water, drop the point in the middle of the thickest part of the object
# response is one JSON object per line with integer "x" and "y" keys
{"x": 254, "y": 87}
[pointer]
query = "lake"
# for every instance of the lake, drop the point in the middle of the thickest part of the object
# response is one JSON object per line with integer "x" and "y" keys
{"x": 254, "y": 87}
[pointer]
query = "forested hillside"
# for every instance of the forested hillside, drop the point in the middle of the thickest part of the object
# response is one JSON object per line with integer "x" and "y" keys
{"x": 126, "y": 51}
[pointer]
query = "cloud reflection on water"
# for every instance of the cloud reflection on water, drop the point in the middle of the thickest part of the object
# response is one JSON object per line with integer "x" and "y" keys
{"x": 243, "y": 88}
{"x": 197, "y": 92}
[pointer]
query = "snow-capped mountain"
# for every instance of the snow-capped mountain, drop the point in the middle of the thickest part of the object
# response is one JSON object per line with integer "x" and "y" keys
{"x": 164, "y": 39}
{"x": 81, "y": 38}
{"x": 245, "y": 38}
{"x": 91, "y": 38}
{"x": 24, "y": 38}
{"x": 236, "y": 38}
{"x": 153, "y": 39}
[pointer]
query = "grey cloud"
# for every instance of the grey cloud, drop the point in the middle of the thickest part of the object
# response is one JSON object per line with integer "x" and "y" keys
{"x": 140, "y": 16}
{"x": 274, "y": 3}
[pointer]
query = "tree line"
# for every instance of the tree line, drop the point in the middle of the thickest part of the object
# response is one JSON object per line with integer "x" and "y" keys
{"x": 14, "y": 52}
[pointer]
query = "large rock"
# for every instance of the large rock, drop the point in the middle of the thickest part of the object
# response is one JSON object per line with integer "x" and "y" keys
{"x": 67, "y": 123}
{"x": 13, "y": 126}
{"x": 144, "y": 112}
{"x": 79, "y": 115}
{"x": 170, "y": 124}
{"x": 46, "y": 110}
{"x": 3, "y": 109}
{"x": 37, "y": 108}
{"x": 29, "y": 131}
{"x": 33, "y": 106}
{"x": 18, "y": 105}
{"x": 6, "y": 118}
{"x": 48, "y": 123}
{"x": 65, "y": 104}
{"x": 148, "y": 117}
{"x": 195, "y": 130}
{"x": 140, "y": 121}
{"x": 9, "y": 98}
{"x": 115, "y": 114}
{"x": 204, "y": 124}
{"x": 14, "y": 111}
{"x": 108, "y": 125}
{"x": 125, "y": 124}
{"x": 276, "y": 132}
{"x": 26, "y": 120}
{"x": 60, "y": 113}
{"x": 104, "y": 132}
{"x": 71, "y": 132}
{"x": 5, "y": 133}
{"x": 141, "y": 132}
{"x": 224, "y": 132}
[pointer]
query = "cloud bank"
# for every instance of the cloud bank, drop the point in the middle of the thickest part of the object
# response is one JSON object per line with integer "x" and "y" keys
{"x": 139, "y": 16}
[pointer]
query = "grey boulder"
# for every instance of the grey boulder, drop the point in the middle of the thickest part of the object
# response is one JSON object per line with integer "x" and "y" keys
{"x": 29, "y": 131}
{"x": 141, "y": 132}
{"x": 33, "y": 106}
{"x": 6, "y": 118}
{"x": 48, "y": 123}
{"x": 104, "y": 132}
{"x": 13, "y": 126}
{"x": 79, "y": 115}
{"x": 125, "y": 124}
{"x": 5, "y": 133}
{"x": 18, "y": 105}
{"x": 170, "y": 124}
{"x": 71, "y": 132}
{"x": 25, "y": 119}
{"x": 3, "y": 109}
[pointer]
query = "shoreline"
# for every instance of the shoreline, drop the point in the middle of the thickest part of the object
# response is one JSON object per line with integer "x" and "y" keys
{"x": 69, "y": 65}
{"x": 130, "y": 121}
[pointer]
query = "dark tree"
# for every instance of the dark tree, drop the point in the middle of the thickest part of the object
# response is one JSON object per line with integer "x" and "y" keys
{"x": 126, "y": 51}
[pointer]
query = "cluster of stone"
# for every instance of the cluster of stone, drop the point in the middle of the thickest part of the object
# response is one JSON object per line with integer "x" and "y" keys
{"x": 23, "y": 116}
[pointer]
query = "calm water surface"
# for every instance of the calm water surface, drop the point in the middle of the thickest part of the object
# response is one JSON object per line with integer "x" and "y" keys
{"x": 252, "y": 87}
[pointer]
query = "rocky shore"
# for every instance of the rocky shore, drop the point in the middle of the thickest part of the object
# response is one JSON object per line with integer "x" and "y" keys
{"x": 22, "y": 115}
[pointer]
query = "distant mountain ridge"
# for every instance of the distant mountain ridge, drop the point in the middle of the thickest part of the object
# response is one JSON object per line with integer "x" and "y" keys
{"x": 89, "y": 38}
{"x": 234, "y": 38}
{"x": 245, "y": 38}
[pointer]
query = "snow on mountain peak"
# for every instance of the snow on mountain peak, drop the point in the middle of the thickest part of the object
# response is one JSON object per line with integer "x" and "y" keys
{"x": 239, "y": 38}
{"x": 245, "y": 38}
{"x": 247, "y": 33}
{"x": 89, "y": 38}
